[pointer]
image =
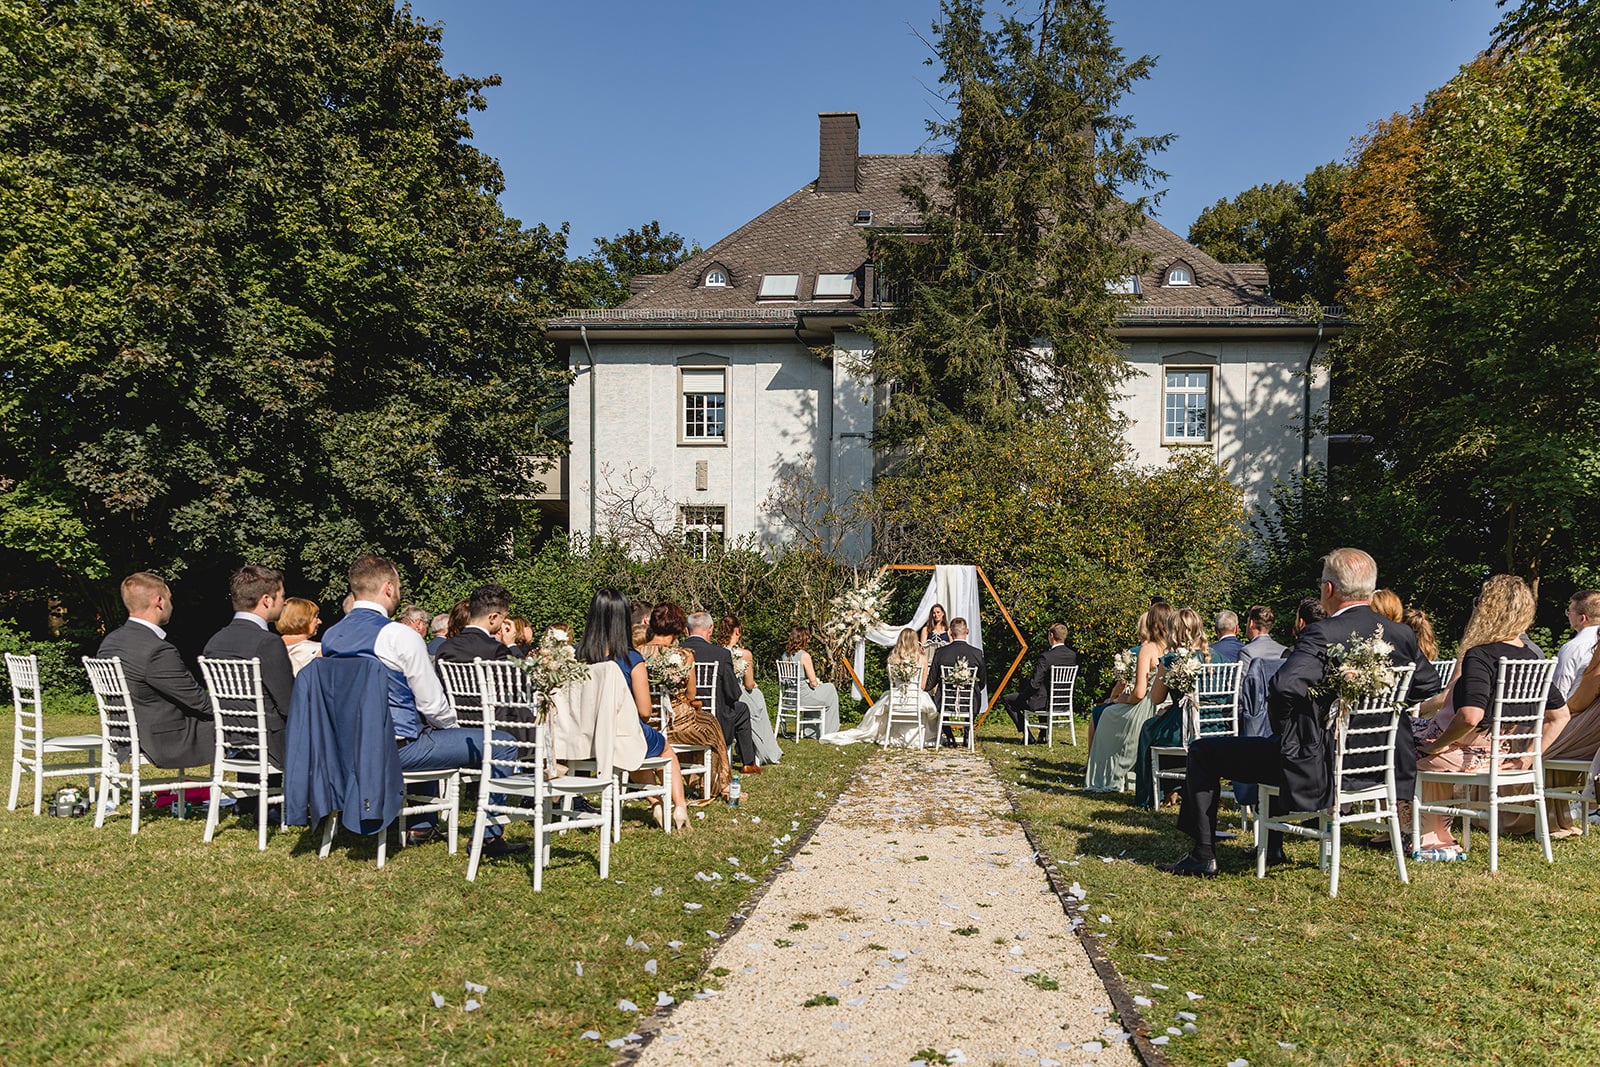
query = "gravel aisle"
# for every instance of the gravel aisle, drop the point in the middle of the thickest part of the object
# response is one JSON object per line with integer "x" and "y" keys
{"x": 915, "y": 919}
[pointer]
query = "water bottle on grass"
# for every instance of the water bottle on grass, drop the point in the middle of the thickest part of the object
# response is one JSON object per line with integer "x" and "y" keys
{"x": 733, "y": 792}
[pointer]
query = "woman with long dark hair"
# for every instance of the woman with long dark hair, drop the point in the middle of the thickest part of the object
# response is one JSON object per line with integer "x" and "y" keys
{"x": 606, "y": 638}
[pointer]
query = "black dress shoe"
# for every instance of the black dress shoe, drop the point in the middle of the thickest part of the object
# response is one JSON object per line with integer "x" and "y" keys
{"x": 1277, "y": 857}
{"x": 1190, "y": 866}
{"x": 499, "y": 846}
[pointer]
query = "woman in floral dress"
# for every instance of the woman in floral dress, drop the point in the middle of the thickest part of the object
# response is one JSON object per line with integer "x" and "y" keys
{"x": 690, "y": 724}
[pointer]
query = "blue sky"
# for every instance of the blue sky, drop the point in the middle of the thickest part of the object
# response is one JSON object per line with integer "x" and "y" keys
{"x": 703, "y": 114}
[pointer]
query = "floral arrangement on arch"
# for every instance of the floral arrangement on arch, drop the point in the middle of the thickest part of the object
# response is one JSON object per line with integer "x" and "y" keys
{"x": 553, "y": 664}
{"x": 1183, "y": 672}
{"x": 852, "y": 614}
{"x": 1357, "y": 669}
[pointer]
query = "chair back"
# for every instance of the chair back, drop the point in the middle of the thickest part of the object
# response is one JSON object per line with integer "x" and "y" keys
{"x": 239, "y": 707}
{"x": 1446, "y": 669}
{"x": 119, "y": 730}
{"x": 1365, "y": 735}
{"x": 1063, "y": 680}
{"x": 788, "y": 685}
{"x": 705, "y": 685}
{"x": 507, "y": 697}
{"x": 25, "y": 699}
{"x": 955, "y": 701}
{"x": 1215, "y": 711}
{"x": 905, "y": 698}
{"x": 461, "y": 688}
{"x": 1516, "y": 738}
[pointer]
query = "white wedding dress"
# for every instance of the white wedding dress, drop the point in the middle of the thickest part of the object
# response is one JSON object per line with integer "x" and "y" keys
{"x": 904, "y": 733}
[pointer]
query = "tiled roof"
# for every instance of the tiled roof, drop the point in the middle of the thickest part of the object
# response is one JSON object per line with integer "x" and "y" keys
{"x": 811, "y": 233}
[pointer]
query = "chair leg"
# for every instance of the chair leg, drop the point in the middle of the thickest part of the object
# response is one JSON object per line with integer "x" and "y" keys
{"x": 1416, "y": 821}
{"x": 605, "y": 842}
{"x": 1494, "y": 835}
{"x": 261, "y": 818}
{"x": 1155, "y": 780}
{"x": 479, "y": 825}
{"x": 1333, "y": 863}
{"x": 100, "y": 804}
{"x": 1261, "y": 838}
{"x": 16, "y": 783}
{"x": 38, "y": 786}
{"x": 212, "y": 810}
{"x": 1394, "y": 847}
{"x": 1072, "y": 729}
{"x": 134, "y": 797}
{"x": 453, "y": 789}
{"x": 327, "y": 834}
{"x": 1542, "y": 825}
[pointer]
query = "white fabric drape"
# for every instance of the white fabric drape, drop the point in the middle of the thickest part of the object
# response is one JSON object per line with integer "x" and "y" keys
{"x": 954, "y": 587}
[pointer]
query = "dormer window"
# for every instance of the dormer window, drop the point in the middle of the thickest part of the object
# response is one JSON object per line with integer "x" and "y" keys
{"x": 716, "y": 278}
{"x": 1180, "y": 273}
{"x": 779, "y": 287}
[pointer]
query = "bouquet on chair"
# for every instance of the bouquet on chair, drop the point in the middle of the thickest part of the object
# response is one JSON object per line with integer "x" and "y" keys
{"x": 553, "y": 664}
{"x": 852, "y": 614}
{"x": 962, "y": 675}
{"x": 904, "y": 671}
{"x": 668, "y": 670}
{"x": 1183, "y": 670}
{"x": 1357, "y": 669}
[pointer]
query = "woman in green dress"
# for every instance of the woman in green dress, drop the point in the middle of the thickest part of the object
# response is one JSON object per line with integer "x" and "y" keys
{"x": 1115, "y": 747}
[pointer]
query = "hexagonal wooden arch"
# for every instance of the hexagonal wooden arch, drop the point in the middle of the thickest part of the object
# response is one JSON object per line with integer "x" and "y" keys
{"x": 1022, "y": 642}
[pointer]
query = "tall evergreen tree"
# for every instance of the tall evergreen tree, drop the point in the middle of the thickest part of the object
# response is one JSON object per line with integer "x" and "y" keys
{"x": 1006, "y": 293}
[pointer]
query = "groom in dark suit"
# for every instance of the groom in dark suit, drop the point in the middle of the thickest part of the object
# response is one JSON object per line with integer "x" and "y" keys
{"x": 957, "y": 648}
{"x": 172, "y": 712}
{"x": 732, "y": 712}
{"x": 1299, "y": 755}
{"x": 258, "y": 599}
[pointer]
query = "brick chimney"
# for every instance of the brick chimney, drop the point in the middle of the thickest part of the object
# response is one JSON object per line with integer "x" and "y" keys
{"x": 840, "y": 147}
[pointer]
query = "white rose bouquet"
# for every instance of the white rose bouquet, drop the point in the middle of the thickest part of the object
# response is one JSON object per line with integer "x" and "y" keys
{"x": 668, "y": 670}
{"x": 904, "y": 671}
{"x": 1357, "y": 669}
{"x": 741, "y": 660}
{"x": 962, "y": 674}
{"x": 552, "y": 665}
{"x": 1183, "y": 671}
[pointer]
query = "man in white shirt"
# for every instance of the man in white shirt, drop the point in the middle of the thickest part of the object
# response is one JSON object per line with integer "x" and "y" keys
{"x": 1583, "y": 612}
{"x": 424, "y": 722}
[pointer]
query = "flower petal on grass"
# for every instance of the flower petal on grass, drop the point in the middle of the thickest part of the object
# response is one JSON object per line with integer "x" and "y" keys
{"x": 626, "y": 1005}
{"x": 664, "y": 1000}
{"x": 1143, "y": 1002}
{"x": 474, "y": 987}
{"x": 590, "y": 1035}
{"x": 438, "y": 1002}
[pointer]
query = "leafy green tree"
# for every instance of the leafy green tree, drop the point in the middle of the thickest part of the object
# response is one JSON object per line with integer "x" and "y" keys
{"x": 1285, "y": 226}
{"x": 258, "y": 298}
{"x": 602, "y": 279}
{"x": 1478, "y": 366}
{"x": 1005, "y": 308}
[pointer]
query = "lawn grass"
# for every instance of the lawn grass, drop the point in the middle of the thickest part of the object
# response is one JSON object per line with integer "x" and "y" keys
{"x": 161, "y": 949}
{"x": 1460, "y": 966}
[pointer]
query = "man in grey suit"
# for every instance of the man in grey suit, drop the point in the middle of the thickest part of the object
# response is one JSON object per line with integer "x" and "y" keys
{"x": 258, "y": 600}
{"x": 1258, "y": 638}
{"x": 172, "y": 712}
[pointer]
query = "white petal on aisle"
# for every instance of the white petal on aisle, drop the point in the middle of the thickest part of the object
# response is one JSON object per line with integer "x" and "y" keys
{"x": 915, "y": 838}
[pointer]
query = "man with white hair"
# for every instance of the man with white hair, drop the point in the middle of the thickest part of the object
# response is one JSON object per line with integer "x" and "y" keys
{"x": 732, "y": 713}
{"x": 1298, "y": 756}
{"x": 1226, "y": 648}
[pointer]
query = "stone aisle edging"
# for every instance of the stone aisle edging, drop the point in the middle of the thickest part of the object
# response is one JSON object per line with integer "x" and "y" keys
{"x": 650, "y": 1026}
{"x": 1127, "y": 1011}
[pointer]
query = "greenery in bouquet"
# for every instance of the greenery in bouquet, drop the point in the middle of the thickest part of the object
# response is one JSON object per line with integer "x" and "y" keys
{"x": 962, "y": 674}
{"x": 741, "y": 660}
{"x": 904, "y": 671}
{"x": 1357, "y": 669}
{"x": 668, "y": 670}
{"x": 852, "y": 614}
{"x": 1182, "y": 670}
{"x": 1123, "y": 665}
{"x": 553, "y": 664}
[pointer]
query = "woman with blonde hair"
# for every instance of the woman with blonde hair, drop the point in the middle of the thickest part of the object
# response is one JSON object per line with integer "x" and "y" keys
{"x": 1454, "y": 732}
{"x": 1189, "y": 631}
{"x": 1165, "y": 728}
{"x": 298, "y": 624}
{"x": 1115, "y": 746}
{"x": 908, "y": 673}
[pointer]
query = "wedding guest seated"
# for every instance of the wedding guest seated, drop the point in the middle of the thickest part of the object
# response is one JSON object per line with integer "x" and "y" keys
{"x": 416, "y": 617}
{"x": 258, "y": 602}
{"x": 1034, "y": 694}
{"x": 480, "y": 637}
{"x": 1386, "y": 602}
{"x": 936, "y": 631}
{"x": 732, "y": 713}
{"x": 438, "y": 630}
{"x": 1583, "y": 615}
{"x": 1115, "y": 744}
{"x": 606, "y": 639}
{"x": 1227, "y": 646}
{"x": 517, "y": 633}
{"x": 1255, "y": 680}
{"x": 1119, "y": 688}
{"x": 460, "y": 612}
{"x": 730, "y": 634}
{"x": 1454, "y": 731}
{"x": 692, "y": 723}
{"x": 907, "y": 668}
{"x": 1165, "y": 728}
{"x": 1258, "y": 642}
{"x": 1579, "y": 739}
{"x": 812, "y": 691}
{"x": 297, "y": 625}
{"x": 171, "y": 709}
{"x": 1298, "y": 756}
{"x": 948, "y": 655}
{"x": 424, "y": 723}
{"x": 639, "y": 622}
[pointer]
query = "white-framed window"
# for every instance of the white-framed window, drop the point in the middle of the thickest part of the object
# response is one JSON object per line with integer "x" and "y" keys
{"x": 835, "y": 286}
{"x": 1180, "y": 273}
{"x": 779, "y": 287}
{"x": 1186, "y": 396}
{"x": 704, "y": 528}
{"x": 1127, "y": 285}
{"x": 705, "y": 404}
{"x": 716, "y": 278}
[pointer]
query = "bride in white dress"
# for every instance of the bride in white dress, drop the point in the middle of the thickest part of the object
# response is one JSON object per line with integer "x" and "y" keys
{"x": 908, "y": 673}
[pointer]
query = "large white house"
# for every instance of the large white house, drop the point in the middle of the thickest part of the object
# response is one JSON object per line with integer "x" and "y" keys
{"x": 707, "y": 386}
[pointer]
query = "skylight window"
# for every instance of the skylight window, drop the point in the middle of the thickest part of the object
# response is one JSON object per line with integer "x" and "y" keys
{"x": 779, "y": 287}
{"x": 864, "y": 217}
{"x": 1127, "y": 285}
{"x": 835, "y": 286}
